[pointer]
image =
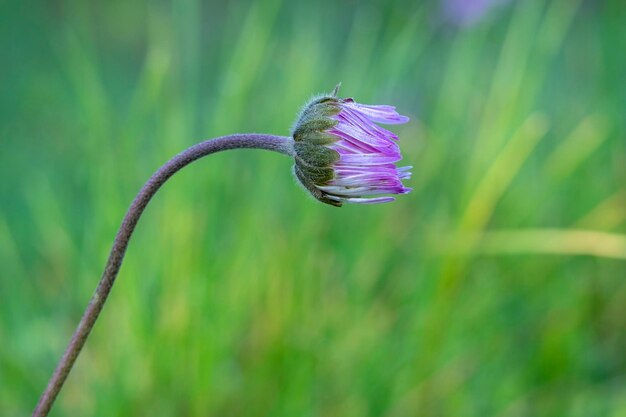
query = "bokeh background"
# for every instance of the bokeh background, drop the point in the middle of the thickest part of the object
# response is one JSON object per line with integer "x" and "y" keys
{"x": 496, "y": 288}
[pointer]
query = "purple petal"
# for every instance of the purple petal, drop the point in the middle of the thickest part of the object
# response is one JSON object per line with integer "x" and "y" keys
{"x": 357, "y": 135}
{"x": 376, "y": 200}
{"x": 349, "y": 144}
{"x": 380, "y": 114}
{"x": 353, "y": 117}
{"x": 368, "y": 159}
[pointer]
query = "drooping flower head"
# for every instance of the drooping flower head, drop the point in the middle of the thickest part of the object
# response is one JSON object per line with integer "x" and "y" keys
{"x": 342, "y": 155}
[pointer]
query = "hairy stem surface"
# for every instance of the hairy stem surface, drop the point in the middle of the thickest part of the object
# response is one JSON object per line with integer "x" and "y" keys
{"x": 279, "y": 144}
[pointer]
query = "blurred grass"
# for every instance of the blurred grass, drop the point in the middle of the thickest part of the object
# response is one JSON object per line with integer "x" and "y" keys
{"x": 496, "y": 288}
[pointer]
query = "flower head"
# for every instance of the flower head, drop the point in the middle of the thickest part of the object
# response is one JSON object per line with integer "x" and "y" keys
{"x": 342, "y": 155}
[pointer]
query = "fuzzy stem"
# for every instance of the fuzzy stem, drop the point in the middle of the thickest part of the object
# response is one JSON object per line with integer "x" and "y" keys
{"x": 279, "y": 144}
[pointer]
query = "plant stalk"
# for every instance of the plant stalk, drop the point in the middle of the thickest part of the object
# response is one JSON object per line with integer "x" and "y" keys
{"x": 281, "y": 144}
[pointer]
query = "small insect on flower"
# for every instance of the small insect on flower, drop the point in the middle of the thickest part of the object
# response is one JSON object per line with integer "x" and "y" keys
{"x": 342, "y": 155}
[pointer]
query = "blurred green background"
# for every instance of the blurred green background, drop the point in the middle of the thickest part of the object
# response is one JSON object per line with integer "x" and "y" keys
{"x": 496, "y": 288}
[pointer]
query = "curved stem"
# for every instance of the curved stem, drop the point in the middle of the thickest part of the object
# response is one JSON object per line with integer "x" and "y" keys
{"x": 279, "y": 144}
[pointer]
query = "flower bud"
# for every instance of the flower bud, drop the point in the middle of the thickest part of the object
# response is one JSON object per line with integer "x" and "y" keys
{"x": 342, "y": 155}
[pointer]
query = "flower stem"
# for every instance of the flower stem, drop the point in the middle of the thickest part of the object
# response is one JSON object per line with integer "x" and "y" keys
{"x": 281, "y": 144}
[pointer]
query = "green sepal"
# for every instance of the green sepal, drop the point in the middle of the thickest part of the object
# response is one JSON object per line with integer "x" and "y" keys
{"x": 316, "y": 155}
{"x": 312, "y": 125}
{"x": 318, "y": 175}
{"x": 326, "y": 108}
{"x": 309, "y": 185}
{"x": 319, "y": 138}
{"x": 316, "y": 117}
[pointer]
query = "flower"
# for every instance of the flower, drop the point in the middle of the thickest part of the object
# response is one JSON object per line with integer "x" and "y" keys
{"x": 342, "y": 155}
